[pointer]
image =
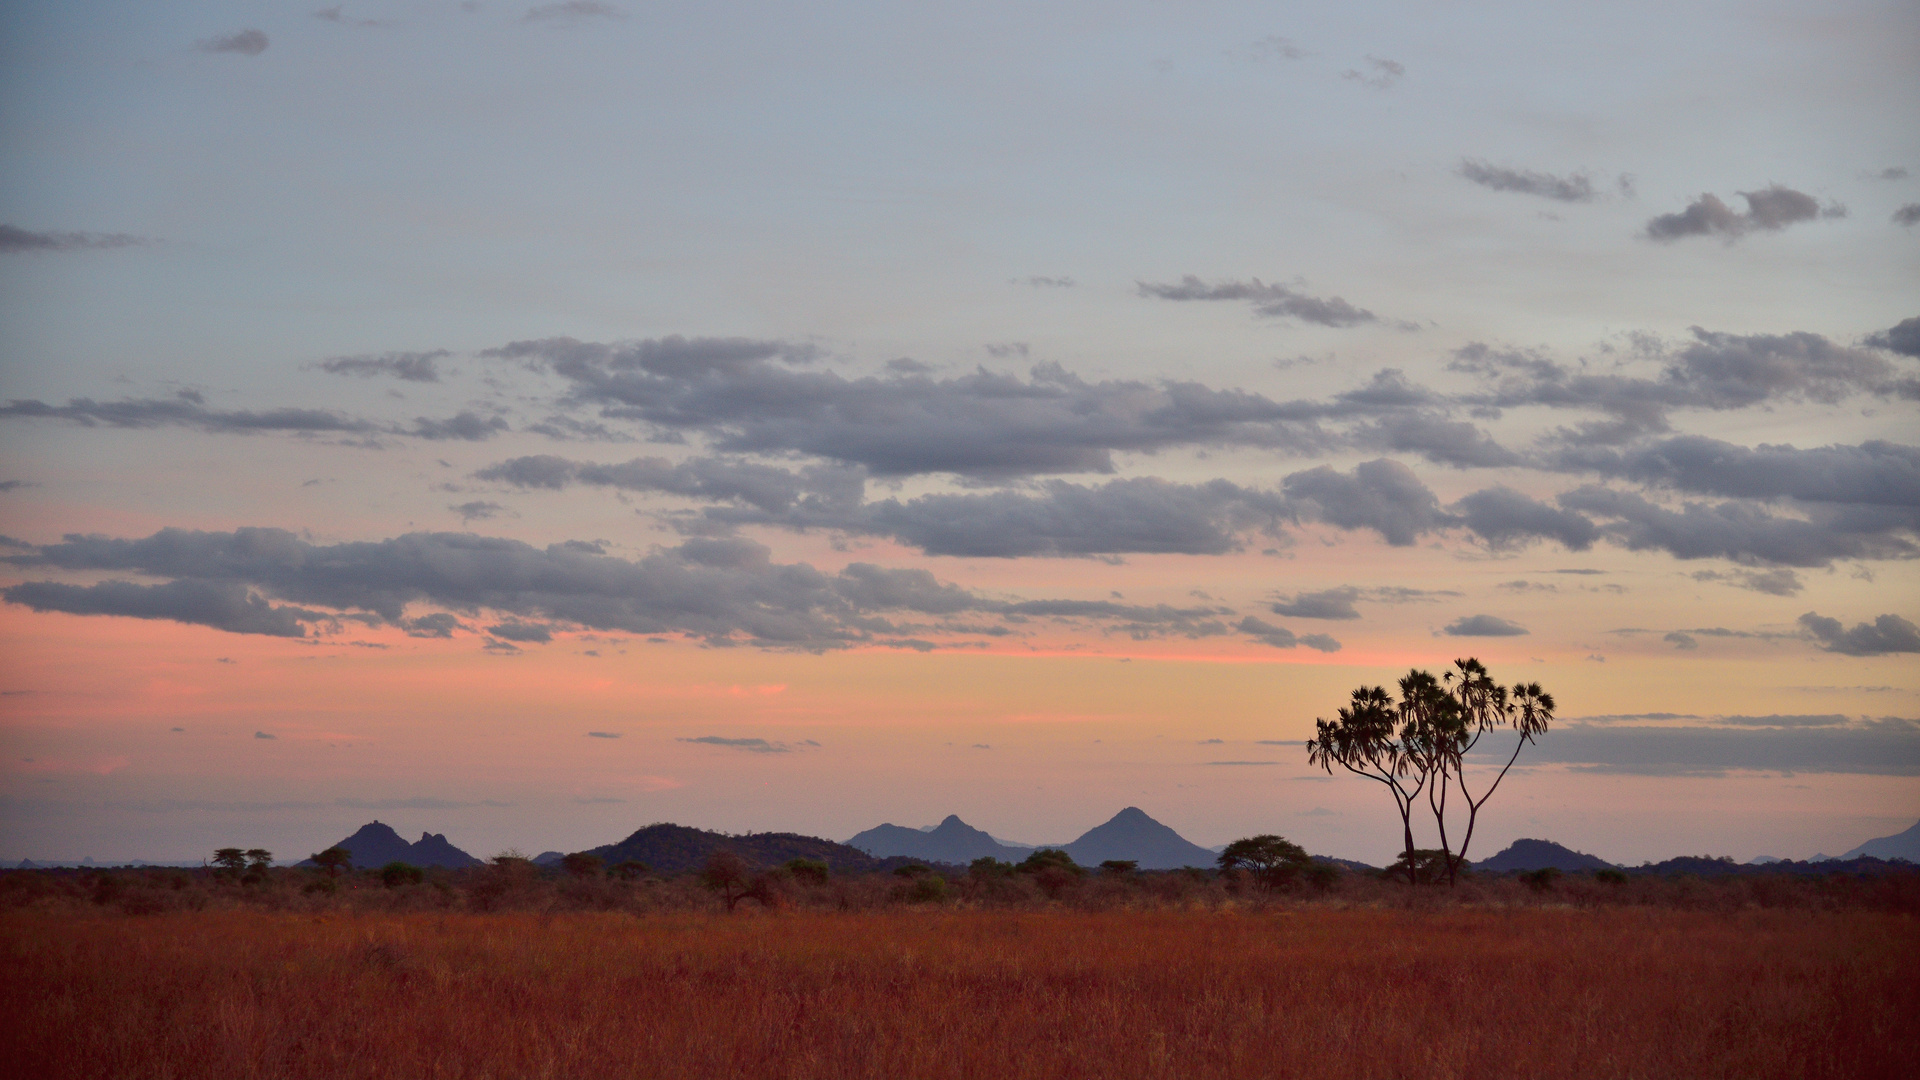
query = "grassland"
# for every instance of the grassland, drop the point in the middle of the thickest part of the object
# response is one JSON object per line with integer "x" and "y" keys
{"x": 1278, "y": 991}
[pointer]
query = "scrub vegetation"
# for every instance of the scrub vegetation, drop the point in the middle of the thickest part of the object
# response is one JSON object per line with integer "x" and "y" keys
{"x": 951, "y": 990}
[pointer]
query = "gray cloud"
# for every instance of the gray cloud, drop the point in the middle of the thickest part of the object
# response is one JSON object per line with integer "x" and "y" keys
{"x": 264, "y": 735}
{"x": 1382, "y": 495}
{"x": 1875, "y": 472}
{"x": 1885, "y": 635}
{"x": 1379, "y": 73}
{"x": 571, "y": 11}
{"x": 1330, "y": 604}
{"x": 478, "y": 511}
{"x": 1772, "y": 582}
{"x": 188, "y": 409}
{"x": 1907, "y": 216}
{"x": 1483, "y": 626}
{"x": 603, "y": 734}
{"x": 1277, "y": 301}
{"x": 757, "y": 746}
{"x": 244, "y": 42}
{"x": 1903, "y": 338}
{"x": 725, "y": 590}
{"x": 768, "y": 488}
{"x": 1574, "y": 187}
{"x": 1504, "y": 517}
{"x": 410, "y": 366}
{"x": 1715, "y": 371}
{"x": 222, "y": 605}
{"x": 14, "y": 239}
{"x": 756, "y": 397}
{"x": 1281, "y": 638}
{"x": 1769, "y": 209}
{"x": 1889, "y": 747}
{"x": 1788, "y": 720}
{"x": 1740, "y": 531}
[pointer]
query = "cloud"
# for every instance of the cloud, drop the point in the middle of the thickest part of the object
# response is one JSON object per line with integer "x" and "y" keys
{"x": 1714, "y": 371}
{"x": 759, "y": 397}
{"x": 768, "y": 488}
{"x": 1382, "y": 495}
{"x": 244, "y": 42}
{"x": 1281, "y": 638}
{"x": 1051, "y": 282}
{"x": 1573, "y": 187}
{"x": 1889, "y": 747}
{"x": 421, "y": 802}
{"x": 1788, "y": 720}
{"x": 16, "y": 485}
{"x": 1875, "y": 472}
{"x": 1907, "y": 216}
{"x": 1505, "y": 518}
{"x": 603, "y": 734}
{"x": 1483, "y": 626}
{"x": 1885, "y": 635}
{"x": 228, "y": 606}
{"x": 1277, "y": 301}
{"x": 1379, "y": 73}
{"x": 188, "y": 409}
{"x": 1771, "y": 582}
{"x": 1680, "y": 639}
{"x": 725, "y": 590}
{"x": 1741, "y": 531}
{"x": 14, "y": 239}
{"x": 757, "y": 746}
{"x": 1330, "y": 604}
{"x": 572, "y": 11}
{"x": 1903, "y": 338}
{"x": 409, "y": 366}
{"x": 478, "y": 511}
{"x": 1770, "y": 209}
{"x": 264, "y": 735}
{"x": 515, "y": 630}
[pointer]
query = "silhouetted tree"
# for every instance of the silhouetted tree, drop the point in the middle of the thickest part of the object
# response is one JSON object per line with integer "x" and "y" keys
{"x": 1274, "y": 861}
{"x": 1119, "y": 867}
{"x": 332, "y": 860}
{"x": 813, "y": 871}
{"x": 1542, "y": 879}
{"x": 229, "y": 861}
{"x": 395, "y": 874}
{"x": 582, "y": 865}
{"x": 259, "y": 861}
{"x": 630, "y": 869}
{"x": 729, "y": 875}
{"x": 1420, "y": 743}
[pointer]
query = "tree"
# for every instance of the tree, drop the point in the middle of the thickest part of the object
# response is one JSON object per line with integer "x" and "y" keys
{"x": 1119, "y": 867}
{"x": 395, "y": 874}
{"x": 1419, "y": 745}
{"x": 812, "y": 871}
{"x": 729, "y": 875}
{"x": 229, "y": 861}
{"x": 259, "y": 861}
{"x": 1274, "y": 861}
{"x": 581, "y": 864}
{"x": 333, "y": 860}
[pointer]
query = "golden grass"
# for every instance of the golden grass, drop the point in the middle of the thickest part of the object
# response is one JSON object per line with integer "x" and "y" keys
{"x": 940, "y": 993}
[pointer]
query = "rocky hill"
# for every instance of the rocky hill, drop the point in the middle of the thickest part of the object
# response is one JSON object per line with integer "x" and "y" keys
{"x": 1131, "y": 834}
{"x": 670, "y": 849}
{"x": 1538, "y": 855}
{"x": 952, "y": 841}
{"x": 376, "y": 844}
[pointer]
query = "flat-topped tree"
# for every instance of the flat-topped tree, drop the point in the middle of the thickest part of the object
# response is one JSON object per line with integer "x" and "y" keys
{"x": 1418, "y": 745}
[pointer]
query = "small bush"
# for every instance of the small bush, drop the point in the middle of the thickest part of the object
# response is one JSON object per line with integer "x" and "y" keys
{"x": 1610, "y": 876}
{"x": 395, "y": 874}
{"x": 809, "y": 871}
{"x": 1542, "y": 879}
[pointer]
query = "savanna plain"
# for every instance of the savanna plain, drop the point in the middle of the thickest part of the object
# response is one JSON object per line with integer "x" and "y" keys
{"x": 1163, "y": 976}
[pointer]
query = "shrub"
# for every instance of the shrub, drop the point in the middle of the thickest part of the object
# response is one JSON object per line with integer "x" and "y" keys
{"x": 1119, "y": 867}
{"x": 1610, "y": 876}
{"x": 811, "y": 871}
{"x": 395, "y": 874}
{"x": 1542, "y": 879}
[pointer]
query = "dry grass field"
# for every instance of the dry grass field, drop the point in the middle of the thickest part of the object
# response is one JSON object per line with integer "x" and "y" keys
{"x": 927, "y": 992}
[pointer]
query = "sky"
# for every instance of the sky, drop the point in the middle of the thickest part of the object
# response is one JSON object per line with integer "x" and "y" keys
{"x": 529, "y": 422}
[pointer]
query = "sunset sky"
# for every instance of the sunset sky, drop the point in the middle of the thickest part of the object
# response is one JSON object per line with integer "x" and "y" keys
{"x": 531, "y": 422}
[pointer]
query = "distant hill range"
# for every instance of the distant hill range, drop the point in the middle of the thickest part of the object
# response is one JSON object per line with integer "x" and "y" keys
{"x": 1130, "y": 834}
{"x": 670, "y": 849}
{"x": 1539, "y": 855}
{"x": 1904, "y": 845}
{"x": 376, "y": 845}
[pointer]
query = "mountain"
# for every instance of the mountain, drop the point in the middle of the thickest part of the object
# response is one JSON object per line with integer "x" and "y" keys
{"x": 671, "y": 849}
{"x": 376, "y": 845}
{"x": 1904, "y": 845}
{"x": 1538, "y": 854}
{"x": 1131, "y": 834}
{"x": 952, "y": 841}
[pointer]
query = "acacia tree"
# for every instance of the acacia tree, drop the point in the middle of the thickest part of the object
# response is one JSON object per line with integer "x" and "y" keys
{"x": 1419, "y": 745}
{"x": 1274, "y": 861}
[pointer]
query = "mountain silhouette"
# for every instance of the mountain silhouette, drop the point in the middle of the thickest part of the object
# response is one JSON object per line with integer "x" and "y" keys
{"x": 670, "y": 849}
{"x": 952, "y": 841}
{"x": 1904, "y": 845}
{"x": 376, "y": 845}
{"x": 1131, "y": 834}
{"x": 1538, "y": 855}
